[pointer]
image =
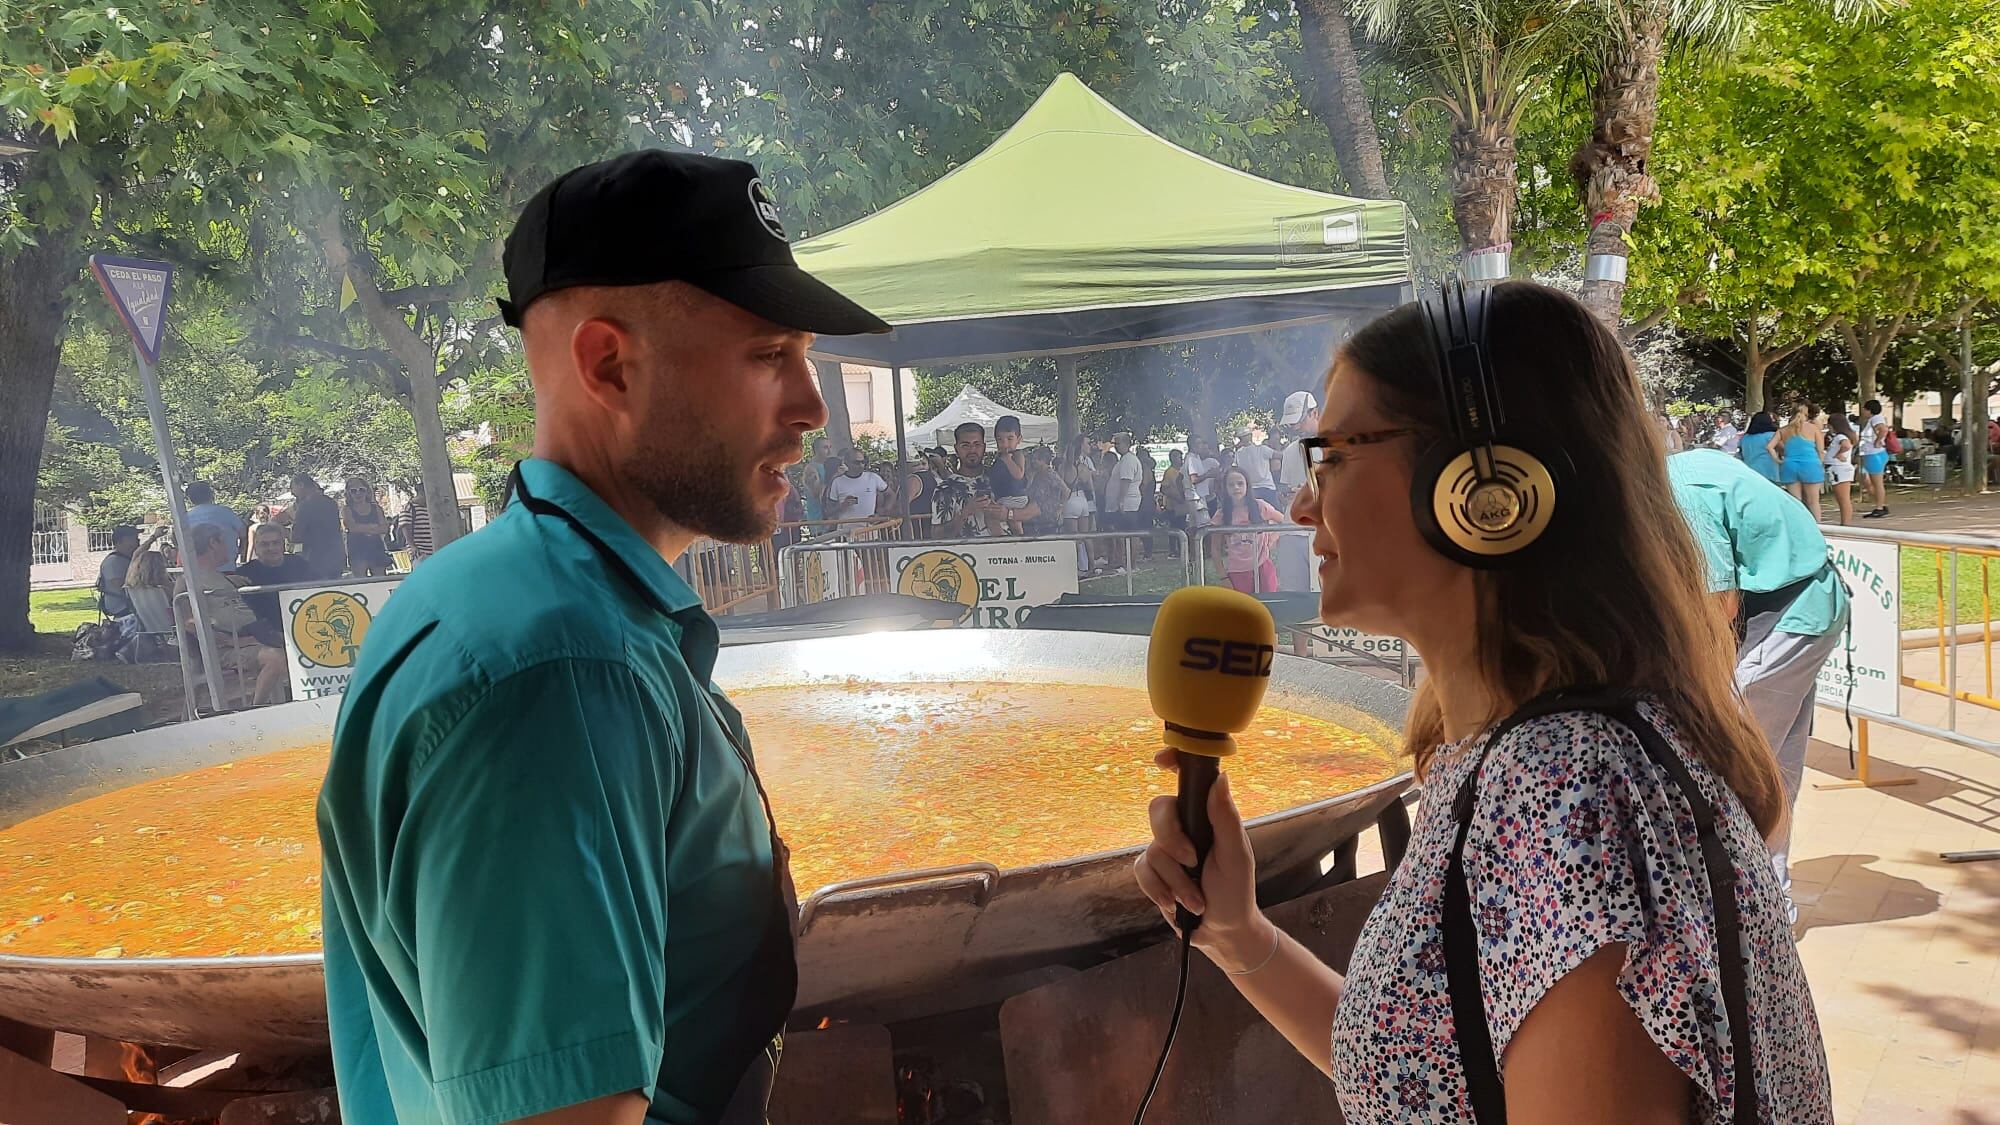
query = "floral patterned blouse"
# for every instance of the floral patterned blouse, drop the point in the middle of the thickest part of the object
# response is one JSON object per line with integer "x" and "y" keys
{"x": 1578, "y": 841}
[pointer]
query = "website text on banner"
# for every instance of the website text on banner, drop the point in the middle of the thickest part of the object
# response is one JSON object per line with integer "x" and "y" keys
{"x": 1873, "y": 571}
{"x": 324, "y": 627}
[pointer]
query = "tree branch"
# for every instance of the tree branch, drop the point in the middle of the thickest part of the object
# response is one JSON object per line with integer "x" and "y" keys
{"x": 461, "y": 364}
{"x": 1644, "y": 324}
{"x": 410, "y": 295}
{"x": 403, "y": 341}
{"x": 1808, "y": 338}
{"x": 389, "y": 372}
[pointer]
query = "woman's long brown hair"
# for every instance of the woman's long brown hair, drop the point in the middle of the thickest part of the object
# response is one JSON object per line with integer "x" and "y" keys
{"x": 1618, "y": 599}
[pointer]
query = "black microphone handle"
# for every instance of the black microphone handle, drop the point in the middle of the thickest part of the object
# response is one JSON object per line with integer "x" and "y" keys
{"x": 1197, "y": 774}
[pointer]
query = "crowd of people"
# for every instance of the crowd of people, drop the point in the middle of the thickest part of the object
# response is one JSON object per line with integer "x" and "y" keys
{"x": 1103, "y": 484}
{"x": 237, "y": 563}
{"x": 1812, "y": 452}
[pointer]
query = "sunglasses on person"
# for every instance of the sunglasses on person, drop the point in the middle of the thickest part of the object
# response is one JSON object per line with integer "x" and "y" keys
{"x": 1323, "y": 454}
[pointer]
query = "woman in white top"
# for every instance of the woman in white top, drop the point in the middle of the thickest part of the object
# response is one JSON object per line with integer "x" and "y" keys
{"x": 1079, "y": 475}
{"x": 1840, "y": 462}
{"x": 1874, "y": 452}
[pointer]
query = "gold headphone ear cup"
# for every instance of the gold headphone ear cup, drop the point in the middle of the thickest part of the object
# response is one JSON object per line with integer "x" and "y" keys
{"x": 1483, "y": 521}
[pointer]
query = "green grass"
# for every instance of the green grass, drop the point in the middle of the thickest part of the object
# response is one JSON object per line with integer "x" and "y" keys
{"x": 61, "y": 611}
{"x": 1920, "y": 587}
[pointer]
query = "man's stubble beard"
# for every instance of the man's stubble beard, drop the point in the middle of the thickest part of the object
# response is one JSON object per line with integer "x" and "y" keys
{"x": 698, "y": 481}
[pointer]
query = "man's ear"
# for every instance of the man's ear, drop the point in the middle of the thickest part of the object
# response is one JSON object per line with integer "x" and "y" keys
{"x": 601, "y": 352}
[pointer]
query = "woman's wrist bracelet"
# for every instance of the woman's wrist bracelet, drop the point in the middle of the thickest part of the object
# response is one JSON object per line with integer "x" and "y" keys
{"x": 1277, "y": 939}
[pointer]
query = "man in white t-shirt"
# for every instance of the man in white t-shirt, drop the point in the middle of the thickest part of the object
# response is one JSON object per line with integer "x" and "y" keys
{"x": 1727, "y": 437}
{"x": 1258, "y": 462}
{"x": 1123, "y": 504}
{"x": 853, "y": 494}
{"x": 1204, "y": 469}
{"x": 1301, "y": 420}
{"x": 1293, "y": 553}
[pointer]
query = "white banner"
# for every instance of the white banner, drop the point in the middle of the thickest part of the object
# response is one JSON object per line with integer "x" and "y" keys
{"x": 324, "y": 627}
{"x": 1874, "y": 575}
{"x": 998, "y": 581}
{"x": 1328, "y": 642}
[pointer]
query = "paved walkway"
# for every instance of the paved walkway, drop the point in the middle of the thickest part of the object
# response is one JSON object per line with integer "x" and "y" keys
{"x": 1902, "y": 948}
{"x": 1921, "y": 508}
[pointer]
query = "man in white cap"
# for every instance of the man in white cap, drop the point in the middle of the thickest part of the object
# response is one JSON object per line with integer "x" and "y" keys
{"x": 1294, "y": 552}
{"x": 1301, "y": 420}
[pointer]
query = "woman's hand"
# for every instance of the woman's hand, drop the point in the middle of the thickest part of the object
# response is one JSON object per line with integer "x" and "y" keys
{"x": 1233, "y": 932}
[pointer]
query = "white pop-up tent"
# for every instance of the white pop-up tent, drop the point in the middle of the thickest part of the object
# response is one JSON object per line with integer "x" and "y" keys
{"x": 973, "y": 406}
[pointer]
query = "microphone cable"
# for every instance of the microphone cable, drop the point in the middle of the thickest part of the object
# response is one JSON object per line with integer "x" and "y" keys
{"x": 1173, "y": 1029}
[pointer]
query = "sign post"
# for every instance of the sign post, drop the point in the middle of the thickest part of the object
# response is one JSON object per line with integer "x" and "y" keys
{"x": 1869, "y": 668}
{"x": 139, "y": 291}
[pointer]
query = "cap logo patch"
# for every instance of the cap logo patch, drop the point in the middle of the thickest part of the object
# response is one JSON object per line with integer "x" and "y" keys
{"x": 766, "y": 211}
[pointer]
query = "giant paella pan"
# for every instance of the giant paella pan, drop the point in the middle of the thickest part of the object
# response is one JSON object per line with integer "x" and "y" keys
{"x": 963, "y": 805}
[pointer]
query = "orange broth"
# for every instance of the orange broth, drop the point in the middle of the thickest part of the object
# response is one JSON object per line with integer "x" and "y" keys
{"x": 865, "y": 778}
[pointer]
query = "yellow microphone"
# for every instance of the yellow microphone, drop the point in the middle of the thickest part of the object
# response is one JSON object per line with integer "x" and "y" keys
{"x": 1206, "y": 670}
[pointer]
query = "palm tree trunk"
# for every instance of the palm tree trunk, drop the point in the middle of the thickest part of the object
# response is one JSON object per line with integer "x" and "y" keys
{"x": 1483, "y": 166}
{"x": 1610, "y": 168}
{"x": 1338, "y": 99}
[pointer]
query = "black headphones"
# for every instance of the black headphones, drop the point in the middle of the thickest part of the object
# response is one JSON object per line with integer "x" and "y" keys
{"x": 1480, "y": 497}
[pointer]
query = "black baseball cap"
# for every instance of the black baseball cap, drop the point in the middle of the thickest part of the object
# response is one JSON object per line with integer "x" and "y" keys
{"x": 653, "y": 216}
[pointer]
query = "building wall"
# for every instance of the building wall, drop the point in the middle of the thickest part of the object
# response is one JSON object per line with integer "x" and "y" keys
{"x": 871, "y": 399}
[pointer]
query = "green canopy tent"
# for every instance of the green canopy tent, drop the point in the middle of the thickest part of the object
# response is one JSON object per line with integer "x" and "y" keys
{"x": 1079, "y": 231}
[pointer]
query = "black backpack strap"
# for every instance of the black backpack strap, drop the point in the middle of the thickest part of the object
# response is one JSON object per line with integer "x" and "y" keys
{"x": 1470, "y": 1030}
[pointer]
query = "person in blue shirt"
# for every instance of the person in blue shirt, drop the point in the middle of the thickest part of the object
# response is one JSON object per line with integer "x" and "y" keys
{"x": 1767, "y": 560}
{"x": 1759, "y": 447}
{"x": 204, "y": 509}
{"x": 553, "y": 890}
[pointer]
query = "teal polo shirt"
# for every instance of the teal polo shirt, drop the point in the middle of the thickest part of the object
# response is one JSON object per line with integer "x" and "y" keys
{"x": 546, "y": 869}
{"x": 1756, "y": 537}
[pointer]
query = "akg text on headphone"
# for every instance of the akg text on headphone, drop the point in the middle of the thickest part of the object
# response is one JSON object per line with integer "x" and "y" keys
{"x": 1479, "y": 496}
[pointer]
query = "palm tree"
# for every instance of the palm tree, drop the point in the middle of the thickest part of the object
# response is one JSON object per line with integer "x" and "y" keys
{"x": 1338, "y": 98}
{"x": 1610, "y": 167}
{"x": 1483, "y": 60}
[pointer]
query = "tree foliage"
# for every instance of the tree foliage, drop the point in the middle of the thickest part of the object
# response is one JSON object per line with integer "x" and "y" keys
{"x": 1831, "y": 171}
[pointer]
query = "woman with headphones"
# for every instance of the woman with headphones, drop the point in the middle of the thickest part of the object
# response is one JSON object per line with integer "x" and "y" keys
{"x": 1586, "y": 927}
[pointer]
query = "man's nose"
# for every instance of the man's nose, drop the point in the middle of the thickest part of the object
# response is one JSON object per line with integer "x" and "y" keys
{"x": 803, "y": 407}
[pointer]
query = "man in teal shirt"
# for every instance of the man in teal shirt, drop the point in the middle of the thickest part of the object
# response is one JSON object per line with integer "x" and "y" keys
{"x": 552, "y": 892}
{"x": 1766, "y": 556}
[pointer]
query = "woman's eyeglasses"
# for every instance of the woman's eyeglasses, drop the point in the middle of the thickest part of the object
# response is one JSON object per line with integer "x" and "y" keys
{"x": 1324, "y": 453}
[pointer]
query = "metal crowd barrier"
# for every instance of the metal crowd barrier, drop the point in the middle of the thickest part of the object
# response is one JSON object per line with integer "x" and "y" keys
{"x": 1389, "y": 653}
{"x": 817, "y": 571}
{"x": 731, "y": 576}
{"x": 1976, "y": 724}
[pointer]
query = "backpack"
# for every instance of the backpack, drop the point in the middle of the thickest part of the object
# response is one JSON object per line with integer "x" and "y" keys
{"x": 96, "y": 640}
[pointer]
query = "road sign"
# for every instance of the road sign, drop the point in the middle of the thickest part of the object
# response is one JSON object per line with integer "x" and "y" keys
{"x": 138, "y": 290}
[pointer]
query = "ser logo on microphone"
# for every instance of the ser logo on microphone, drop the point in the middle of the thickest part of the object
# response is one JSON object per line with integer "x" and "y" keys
{"x": 1231, "y": 658}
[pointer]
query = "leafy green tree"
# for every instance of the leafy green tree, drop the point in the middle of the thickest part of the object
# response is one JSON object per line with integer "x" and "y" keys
{"x": 1905, "y": 108}
{"x": 1740, "y": 249}
{"x": 241, "y": 417}
{"x": 140, "y": 118}
{"x": 1832, "y": 175}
